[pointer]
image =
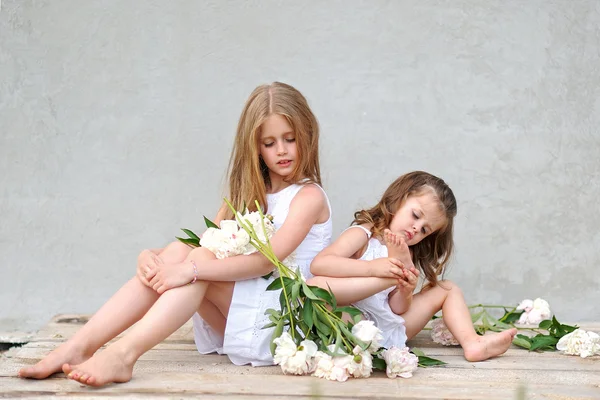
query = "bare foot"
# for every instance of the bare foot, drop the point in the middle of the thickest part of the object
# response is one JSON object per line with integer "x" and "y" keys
{"x": 488, "y": 346}
{"x": 52, "y": 363}
{"x": 104, "y": 367}
{"x": 397, "y": 247}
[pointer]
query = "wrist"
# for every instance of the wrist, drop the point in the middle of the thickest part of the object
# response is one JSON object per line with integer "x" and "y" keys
{"x": 195, "y": 272}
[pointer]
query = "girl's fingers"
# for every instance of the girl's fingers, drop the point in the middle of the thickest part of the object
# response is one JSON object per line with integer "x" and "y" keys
{"x": 396, "y": 262}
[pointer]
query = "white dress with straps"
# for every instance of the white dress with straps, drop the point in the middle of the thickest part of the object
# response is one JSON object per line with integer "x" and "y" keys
{"x": 245, "y": 342}
{"x": 377, "y": 308}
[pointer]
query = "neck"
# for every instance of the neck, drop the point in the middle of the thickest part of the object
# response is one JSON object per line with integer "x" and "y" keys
{"x": 277, "y": 184}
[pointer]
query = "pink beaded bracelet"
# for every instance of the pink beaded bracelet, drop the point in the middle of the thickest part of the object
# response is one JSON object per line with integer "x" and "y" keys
{"x": 195, "y": 272}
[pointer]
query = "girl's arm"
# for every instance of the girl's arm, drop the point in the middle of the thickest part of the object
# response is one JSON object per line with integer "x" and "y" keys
{"x": 307, "y": 208}
{"x": 340, "y": 259}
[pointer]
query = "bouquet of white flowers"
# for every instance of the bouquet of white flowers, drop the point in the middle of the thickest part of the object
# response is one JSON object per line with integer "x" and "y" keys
{"x": 310, "y": 336}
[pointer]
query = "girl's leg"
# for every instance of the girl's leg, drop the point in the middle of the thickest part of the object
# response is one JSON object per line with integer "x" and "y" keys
{"x": 109, "y": 321}
{"x": 448, "y": 297}
{"x": 215, "y": 307}
{"x": 353, "y": 289}
{"x": 169, "y": 312}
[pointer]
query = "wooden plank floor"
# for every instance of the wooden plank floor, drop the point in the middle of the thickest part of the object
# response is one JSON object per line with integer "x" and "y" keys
{"x": 174, "y": 369}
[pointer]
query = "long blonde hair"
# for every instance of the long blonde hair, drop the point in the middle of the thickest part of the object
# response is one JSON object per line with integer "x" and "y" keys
{"x": 248, "y": 174}
{"x": 430, "y": 255}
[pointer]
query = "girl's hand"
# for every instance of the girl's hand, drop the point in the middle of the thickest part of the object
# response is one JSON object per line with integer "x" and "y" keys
{"x": 169, "y": 276}
{"x": 408, "y": 282}
{"x": 386, "y": 268}
{"x": 146, "y": 265}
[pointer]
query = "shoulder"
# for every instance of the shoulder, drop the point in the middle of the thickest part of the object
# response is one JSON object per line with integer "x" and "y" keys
{"x": 311, "y": 193}
{"x": 310, "y": 201}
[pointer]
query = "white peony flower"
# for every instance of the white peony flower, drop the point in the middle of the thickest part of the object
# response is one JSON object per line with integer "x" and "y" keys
{"x": 399, "y": 362}
{"x": 339, "y": 371}
{"x": 580, "y": 343}
{"x": 285, "y": 347}
{"x": 534, "y": 311}
{"x": 367, "y": 332}
{"x": 254, "y": 219}
{"x": 440, "y": 333}
{"x": 323, "y": 365}
{"x": 294, "y": 360}
{"x": 361, "y": 364}
{"x": 232, "y": 240}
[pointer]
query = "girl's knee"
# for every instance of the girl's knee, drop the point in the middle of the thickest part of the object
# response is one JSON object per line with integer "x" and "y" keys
{"x": 449, "y": 285}
{"x": 317, "y": 281}
{"x": 202, "y": 253}
{"x": 178, "y": 247}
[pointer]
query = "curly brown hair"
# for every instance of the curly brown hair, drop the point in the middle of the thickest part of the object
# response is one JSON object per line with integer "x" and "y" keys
{"x": 430, "y": 255}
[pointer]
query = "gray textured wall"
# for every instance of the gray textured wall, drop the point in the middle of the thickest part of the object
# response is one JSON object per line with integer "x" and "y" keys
{"x": 116, "y": 120}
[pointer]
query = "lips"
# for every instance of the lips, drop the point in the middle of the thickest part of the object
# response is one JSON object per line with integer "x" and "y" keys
{"x": 284, "y": 163}
{"x": 408, "y": 235}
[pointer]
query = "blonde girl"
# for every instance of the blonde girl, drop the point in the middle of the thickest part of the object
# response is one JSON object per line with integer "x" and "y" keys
{"x": 375, "y": 265}
{"x": 275, "y": 161}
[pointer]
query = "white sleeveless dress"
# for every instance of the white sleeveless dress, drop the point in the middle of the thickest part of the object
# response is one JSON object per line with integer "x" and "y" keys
{"x": 377, "y": 308}
{"x": 245, "y": 342}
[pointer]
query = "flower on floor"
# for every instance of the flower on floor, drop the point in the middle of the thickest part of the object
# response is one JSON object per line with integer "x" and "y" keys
{"x": 294, "y": 360}
{"x": 400, "y": 362}
{"x": 440, "y": 333}
{"x": 534, "y": 311}
{"x": 580, "y": 343}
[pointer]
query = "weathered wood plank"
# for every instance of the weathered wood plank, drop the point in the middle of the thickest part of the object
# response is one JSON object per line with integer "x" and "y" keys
{"x": 279, "y": 386}
{"x": 175, "y": 369}
{"x": 512, "y": 361}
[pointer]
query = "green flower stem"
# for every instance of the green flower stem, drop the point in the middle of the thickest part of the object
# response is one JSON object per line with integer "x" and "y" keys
{"x": 331, "y": 316}
{"x": 492, "y": 306}
{"x": 268, "y": 252}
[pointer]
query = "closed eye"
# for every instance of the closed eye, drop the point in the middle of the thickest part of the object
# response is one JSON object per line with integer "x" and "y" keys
{"x": 268, "y": 144}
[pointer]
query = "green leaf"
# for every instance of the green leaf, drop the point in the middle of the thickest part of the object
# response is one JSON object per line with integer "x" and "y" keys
{"x": 545, "y": 324}
{"x": 210, "y": 224}
{"x": 191, "y": 234}
{"x": 191, "y": 242}
{"x": 475, "y": 317}
{"x": 522, "y": 341}
{"x": 275, "y": 285}
{"x": 276, "y": 333}
{"x": 272, "y": 324}
{"x": 295, "y": 291}
{"x": 307, "y": 313}
{"x": 503, "y": 326}
{"x": 543, "y": 342}
{"x": 307, "y": 292}
{"x": 333, "y": 299}
{"x": 417, "y": 352}
{"x": 321, "y": 293}
{"x": 425, "y": 362}
{"x": 352, "y": 311}
{"x": 322, "y": 327}
{"x": 379, "y": 363}
{"x": 485, "y": 322}
{"x": 510, "y": 317}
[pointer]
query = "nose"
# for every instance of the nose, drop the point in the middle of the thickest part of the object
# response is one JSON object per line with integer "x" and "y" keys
{"x": 281, "y": 150}
{"x": 417, "y": 226}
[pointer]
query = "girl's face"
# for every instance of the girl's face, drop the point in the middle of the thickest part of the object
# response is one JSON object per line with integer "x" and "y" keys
{"x": 278, "y": 146}
{"x": 418, "y": 218}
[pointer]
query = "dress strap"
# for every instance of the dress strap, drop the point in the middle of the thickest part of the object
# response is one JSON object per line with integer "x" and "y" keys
{"x": 368, "y": 232}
